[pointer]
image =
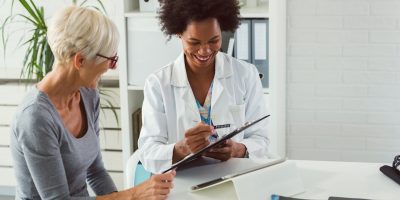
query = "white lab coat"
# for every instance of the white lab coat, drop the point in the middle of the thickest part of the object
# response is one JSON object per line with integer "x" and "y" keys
{"x": 169, "y": 109}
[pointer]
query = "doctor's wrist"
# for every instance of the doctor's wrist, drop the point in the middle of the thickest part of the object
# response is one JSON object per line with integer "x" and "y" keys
{"x": 239, "y": 150}
{"x": 180, "y": 151}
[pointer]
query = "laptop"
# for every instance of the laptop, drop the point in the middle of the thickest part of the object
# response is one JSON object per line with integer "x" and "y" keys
{"x": 226, "y": 178}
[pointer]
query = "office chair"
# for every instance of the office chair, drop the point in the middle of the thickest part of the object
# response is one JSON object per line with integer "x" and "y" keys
{"x": 135, "y": 172}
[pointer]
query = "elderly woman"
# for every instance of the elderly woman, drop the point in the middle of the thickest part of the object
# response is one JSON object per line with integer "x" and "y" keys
{"x": 55, "y": 134}
{"x": 203, "y": 94}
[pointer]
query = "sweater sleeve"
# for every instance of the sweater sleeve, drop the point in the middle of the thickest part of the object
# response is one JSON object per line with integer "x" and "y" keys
{"x": 97, "y": 176}
{"x": 99, "y": 179}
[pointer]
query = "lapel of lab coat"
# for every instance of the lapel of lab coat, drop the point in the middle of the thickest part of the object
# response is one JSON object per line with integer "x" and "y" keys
{"x": 223, "y": 69}
{"x": 181, "y": 84}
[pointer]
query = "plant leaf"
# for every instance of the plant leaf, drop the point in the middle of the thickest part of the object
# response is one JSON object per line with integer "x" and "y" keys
{"x": 39, "y": 13}
{"x": 4, "y": 37}
{"x": 102, "y": 6}
{"x": 30, "y": 10}
{"x": 82, "y": 3}
{"x": 38, "y": 59}
{"x": 30, "y": 20}
{"x": 105, "y": 95}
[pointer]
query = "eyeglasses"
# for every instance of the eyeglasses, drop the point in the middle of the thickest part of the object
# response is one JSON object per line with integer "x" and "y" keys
{"x": 113, "y": 60}
{"x": 396, "y": 163}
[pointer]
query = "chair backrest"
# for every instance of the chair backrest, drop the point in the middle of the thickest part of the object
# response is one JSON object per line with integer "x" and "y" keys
{"x": 135, "y": 172}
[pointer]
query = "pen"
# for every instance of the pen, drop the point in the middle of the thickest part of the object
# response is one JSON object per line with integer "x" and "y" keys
{"x": 222, "y": 126}
{"x": 215, "y": 136}
{"x": 216, "y": 126}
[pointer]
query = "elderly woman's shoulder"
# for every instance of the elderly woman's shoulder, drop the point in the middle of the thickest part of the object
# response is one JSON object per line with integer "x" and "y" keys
{"x": 34, "y": 100}
{"x": 35, "y": 106}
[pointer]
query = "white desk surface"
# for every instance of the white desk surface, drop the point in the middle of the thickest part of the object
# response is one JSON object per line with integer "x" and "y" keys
{"x": 346, "y": 179}
{"x": 321, "y": 179}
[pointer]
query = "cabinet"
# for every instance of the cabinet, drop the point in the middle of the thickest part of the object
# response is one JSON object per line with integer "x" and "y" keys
{"x": 145, "y": 42}
{"x": 143, "y": 49}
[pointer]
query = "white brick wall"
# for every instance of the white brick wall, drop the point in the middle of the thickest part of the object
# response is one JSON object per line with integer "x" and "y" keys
{"x": 343, "y": 80}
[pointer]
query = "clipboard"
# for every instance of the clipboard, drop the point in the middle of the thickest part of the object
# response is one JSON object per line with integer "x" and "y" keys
{"x": 193, "y": 156}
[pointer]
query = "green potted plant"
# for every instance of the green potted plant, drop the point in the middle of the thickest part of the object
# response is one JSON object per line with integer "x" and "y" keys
{"x": 38, "y": 59}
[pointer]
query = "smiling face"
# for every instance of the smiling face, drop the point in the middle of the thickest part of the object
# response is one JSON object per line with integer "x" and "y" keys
{"x": 201, "y": 41}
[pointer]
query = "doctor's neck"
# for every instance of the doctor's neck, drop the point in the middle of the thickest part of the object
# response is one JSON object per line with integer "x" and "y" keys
{"x": 200, "y": 71}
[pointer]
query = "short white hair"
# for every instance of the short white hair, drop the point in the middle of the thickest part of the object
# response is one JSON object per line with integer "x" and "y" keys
{"x": 81, "y": 30}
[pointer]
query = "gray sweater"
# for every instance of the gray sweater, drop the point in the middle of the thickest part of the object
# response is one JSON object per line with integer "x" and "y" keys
{"x": 50, "y": 163}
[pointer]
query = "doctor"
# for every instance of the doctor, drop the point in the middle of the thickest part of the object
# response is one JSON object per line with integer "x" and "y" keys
{"x": 204, "y": 93}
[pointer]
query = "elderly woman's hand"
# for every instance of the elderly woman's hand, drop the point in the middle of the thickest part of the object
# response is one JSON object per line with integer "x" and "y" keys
{"x": 157, "y": 187}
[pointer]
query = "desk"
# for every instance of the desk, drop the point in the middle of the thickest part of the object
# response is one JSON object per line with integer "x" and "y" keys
{"x": 347, "y": 179}
{"x": 321, "y": 179}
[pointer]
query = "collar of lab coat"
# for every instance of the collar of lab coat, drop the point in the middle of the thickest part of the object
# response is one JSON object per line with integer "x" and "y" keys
{"x": 179, "y": 76}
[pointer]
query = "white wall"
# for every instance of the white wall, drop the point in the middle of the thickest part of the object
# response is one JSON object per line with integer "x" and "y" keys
{"x": 343, "y": 80}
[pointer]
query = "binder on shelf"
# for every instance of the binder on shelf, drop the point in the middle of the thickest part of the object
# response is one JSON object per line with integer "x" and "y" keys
{"x": 136, "y": 126}
{"x": 231, "y": 43}
{"x": 251, "y": 45}
{"x": 243, "y": 41}
{"x": 259, "y": 43}
{"x": 226, "y": 36}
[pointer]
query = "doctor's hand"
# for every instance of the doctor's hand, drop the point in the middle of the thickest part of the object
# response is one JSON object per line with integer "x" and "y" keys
{"x": 195, "y": 139}
{"x": 226, "y": 151}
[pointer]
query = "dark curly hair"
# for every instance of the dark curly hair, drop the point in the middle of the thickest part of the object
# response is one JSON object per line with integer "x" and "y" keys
{"x": 175, "y": 15}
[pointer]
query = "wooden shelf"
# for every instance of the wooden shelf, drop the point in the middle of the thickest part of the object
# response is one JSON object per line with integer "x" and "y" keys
{"x": 261, "y": 11}
{"x": 135, "y": 87}
{"x": 137, "y": 13}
